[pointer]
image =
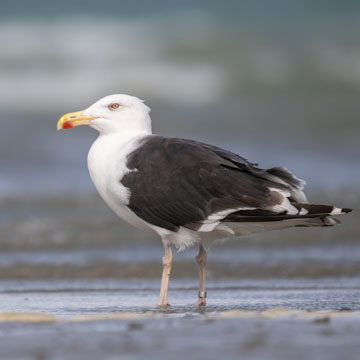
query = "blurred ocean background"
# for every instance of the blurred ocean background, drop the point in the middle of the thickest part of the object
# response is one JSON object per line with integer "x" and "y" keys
{"x": 276, "y": 81}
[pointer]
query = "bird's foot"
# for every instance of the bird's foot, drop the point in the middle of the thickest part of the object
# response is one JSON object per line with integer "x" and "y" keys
{"x": 202, "y": 298}
{"x": 201, "y": 302}
{"x": 163, "y": 304}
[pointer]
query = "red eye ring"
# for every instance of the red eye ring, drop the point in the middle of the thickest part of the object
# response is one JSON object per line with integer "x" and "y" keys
{"x": 114, "y": 106}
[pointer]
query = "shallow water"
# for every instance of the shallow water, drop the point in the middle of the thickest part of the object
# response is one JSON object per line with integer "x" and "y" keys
{"x": 108, "y": 318}
{"x": 126, "y": 261}
{"x": 68, "y": 298}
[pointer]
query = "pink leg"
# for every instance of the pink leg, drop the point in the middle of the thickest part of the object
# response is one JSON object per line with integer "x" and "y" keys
{"x": 167, "y": 262}
{"x": 201, "y": 260}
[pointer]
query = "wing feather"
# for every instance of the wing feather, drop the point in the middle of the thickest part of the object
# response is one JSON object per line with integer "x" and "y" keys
{"x": 181, "y": 182}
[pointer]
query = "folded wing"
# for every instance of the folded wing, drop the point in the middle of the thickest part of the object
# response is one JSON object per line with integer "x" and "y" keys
{"x": 175, "y": 182}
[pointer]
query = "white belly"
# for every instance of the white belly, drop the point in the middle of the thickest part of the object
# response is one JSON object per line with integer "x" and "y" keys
{"x": 107, "y": 160}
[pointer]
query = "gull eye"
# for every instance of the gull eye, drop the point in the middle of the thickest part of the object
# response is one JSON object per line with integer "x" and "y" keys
{"x": 114, "y": 106}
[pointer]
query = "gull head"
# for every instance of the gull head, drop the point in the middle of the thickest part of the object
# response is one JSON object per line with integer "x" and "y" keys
{"x": 111, "y": 114}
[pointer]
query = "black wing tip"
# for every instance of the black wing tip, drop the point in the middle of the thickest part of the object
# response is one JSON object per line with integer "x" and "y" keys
{"x": 346, "y": 210}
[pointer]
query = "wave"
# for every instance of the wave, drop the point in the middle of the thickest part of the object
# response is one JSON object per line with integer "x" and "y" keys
{"x": 78, "y": 60}
{"x": 183, "y": 58}
{"x": 48, "y": 67}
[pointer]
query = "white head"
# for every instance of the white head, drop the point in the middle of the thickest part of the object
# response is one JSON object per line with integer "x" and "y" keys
{"x": 111, "y": 114}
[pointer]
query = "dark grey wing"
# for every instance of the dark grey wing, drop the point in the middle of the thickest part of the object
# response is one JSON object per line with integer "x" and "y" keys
{"x": 179, "y": 182}
{"x": 279, "y": 175}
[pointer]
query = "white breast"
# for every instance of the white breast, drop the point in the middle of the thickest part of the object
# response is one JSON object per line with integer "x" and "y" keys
{"x": 107, "y": 160}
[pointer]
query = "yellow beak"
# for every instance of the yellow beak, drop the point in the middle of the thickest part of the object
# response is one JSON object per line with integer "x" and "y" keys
{"x": 73, "y": 119}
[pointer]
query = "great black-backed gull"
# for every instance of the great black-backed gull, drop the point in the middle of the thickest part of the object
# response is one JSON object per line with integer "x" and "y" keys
{"x": 186, "y": 191}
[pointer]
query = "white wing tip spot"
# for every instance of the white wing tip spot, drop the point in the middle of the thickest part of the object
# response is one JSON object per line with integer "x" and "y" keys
{"x": 336, "y": 211}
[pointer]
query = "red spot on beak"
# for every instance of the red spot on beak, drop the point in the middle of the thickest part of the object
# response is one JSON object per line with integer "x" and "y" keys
{"x": 67, "y": 125}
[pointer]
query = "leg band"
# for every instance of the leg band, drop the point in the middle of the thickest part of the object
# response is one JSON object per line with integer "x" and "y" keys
{"x": 202, "y": 294}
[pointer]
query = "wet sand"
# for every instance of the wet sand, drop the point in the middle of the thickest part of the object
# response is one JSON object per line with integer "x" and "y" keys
{"x": 273, "y": 334}
{"x": 247, "y": 319}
